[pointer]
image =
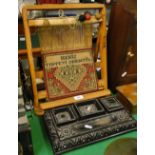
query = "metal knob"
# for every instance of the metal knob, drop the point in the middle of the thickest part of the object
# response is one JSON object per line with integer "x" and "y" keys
{"x": 130, "y": 54}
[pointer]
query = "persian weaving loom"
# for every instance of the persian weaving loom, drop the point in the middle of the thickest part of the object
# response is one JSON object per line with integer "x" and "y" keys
{"x": 66, "y": 37}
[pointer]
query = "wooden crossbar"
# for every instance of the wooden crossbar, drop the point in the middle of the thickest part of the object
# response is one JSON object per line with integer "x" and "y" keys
{"x": 64, "y": 6}
{"x": 61, "y": 21}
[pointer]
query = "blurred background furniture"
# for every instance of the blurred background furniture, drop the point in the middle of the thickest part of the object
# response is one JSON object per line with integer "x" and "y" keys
{"x": 127, "y": 94}
{"x": 122, "y": 43}
{"x": 24, "y": 129}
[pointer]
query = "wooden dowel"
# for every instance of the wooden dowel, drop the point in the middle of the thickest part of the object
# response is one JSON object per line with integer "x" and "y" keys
{"x": 23, "y": 52}
{"x": 55, "y": 21}
{"x": 103, "y": 49}
{"x": 42, "y": 94}
{"x": 39, "y": 74}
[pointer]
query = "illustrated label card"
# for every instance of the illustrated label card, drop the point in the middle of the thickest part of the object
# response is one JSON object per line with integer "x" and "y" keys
{"x": 69, "y": 73}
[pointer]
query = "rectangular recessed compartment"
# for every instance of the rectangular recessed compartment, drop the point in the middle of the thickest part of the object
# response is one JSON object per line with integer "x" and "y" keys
{"x": 111, "y": 103}
{"x": 89, "y": 108}
{"x": 64, "y": 115}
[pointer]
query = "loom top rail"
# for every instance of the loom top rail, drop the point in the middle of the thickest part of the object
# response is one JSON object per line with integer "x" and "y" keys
{"x": 64, "y": 6}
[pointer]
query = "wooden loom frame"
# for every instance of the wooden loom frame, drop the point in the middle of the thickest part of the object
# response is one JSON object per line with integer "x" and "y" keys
{"x": 100, "y": 47}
